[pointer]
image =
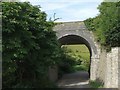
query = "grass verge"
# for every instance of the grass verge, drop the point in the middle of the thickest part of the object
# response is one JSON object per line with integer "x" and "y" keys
{"x": 95, "y": 84}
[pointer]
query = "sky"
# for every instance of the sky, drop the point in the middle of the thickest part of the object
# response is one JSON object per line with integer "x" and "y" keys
{"x": 68, "y": 10}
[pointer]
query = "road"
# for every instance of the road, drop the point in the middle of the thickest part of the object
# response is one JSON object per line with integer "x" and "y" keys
{"x": 78, "y": 79}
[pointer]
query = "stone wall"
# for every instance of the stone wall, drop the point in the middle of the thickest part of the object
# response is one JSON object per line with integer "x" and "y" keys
{"x": 119, "y": 68}
{"x": 111, "y": 69}
{"x": 93, "y": 68}
{"x": 108, "y": 70}
{"x": 114, "y": 69}
{"x": 101, "y": 67}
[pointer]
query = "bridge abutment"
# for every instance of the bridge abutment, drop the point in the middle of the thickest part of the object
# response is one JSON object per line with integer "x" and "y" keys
{"x": 93, "y": 69}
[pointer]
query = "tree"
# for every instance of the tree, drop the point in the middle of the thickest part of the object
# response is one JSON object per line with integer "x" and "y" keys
{"x": 29, "y": 46}
{"x": 107, "y": 24}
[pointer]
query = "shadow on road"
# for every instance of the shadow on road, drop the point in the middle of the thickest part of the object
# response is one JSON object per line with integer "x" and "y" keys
{"x": 78, "y": 79}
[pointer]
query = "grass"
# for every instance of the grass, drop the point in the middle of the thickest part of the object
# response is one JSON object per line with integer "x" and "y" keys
{"x": 79, "y": 49}
{"x": 95, "y": 84}
{"x": 79, "y": 52}
{"x": 79, "y": 68}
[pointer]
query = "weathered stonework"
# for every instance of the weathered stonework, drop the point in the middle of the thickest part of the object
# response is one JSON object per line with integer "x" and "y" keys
{"x": 101, "y": 67}
{"x": 119, "y": 68}
{"x": 114, "y": 67}
{"x": 104, "y": 66}
{"x": 93, "y": 69}
{"x": 77, "y": 33}
{"x": 112, "y": 70}
{"x": 108, "y": 71}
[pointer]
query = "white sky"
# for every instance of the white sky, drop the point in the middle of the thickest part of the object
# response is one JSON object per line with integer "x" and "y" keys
{"x": 68, "y": 10}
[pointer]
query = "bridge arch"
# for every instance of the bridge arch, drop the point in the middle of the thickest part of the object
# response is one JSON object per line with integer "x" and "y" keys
{"x": 74, "y": 39}
{"x": 77, "y": 33}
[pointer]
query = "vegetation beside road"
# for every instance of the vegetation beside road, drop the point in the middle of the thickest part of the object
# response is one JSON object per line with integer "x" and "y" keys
{"x": 106, "y": 25}
{"x": 95, "y": 84}
{"x": 29, "y": 46}
{"x": 75, "y": 58}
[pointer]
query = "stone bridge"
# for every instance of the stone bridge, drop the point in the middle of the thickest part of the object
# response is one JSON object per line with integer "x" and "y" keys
{"x": 103, "y": 65}
{"x": 77, "y": 33}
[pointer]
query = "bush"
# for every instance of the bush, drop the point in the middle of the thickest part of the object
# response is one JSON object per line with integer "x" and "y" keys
{"x": 29, "y": 45}
{"x": 67, "y": 62}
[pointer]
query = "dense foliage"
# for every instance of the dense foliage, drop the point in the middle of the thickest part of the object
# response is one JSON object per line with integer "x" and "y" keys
{"x": 73, "y": 59}
{"x": 67, "y": 62}
{"x": 29, "y": 46}
{"x": 106, "y": 25}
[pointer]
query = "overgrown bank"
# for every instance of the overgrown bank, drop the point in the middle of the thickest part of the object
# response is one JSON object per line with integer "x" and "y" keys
{"x": 29, "y": 46}
{"x": 106, "y": 26}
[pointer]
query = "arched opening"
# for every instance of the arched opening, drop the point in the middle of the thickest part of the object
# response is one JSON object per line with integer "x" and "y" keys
{"x": 76, "y": 40}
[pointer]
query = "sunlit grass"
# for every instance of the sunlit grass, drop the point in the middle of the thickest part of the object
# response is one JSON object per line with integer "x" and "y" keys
{"x": 79, "y": 49}
{"x": 79, "y": 68}
{"x": 79, "y": 52}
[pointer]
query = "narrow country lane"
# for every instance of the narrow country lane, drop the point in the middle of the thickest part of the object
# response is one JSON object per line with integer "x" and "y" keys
{"x": 74, "y": 80}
